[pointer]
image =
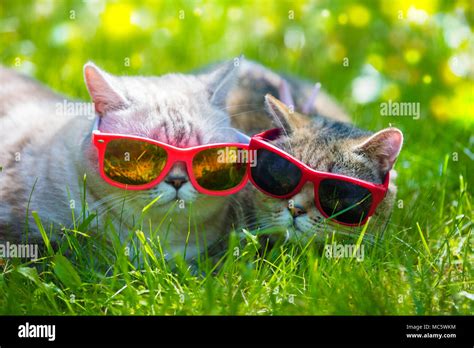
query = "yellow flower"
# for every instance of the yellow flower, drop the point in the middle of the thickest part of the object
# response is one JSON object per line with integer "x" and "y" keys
{"x": 376, "y": 61}
{"x": 459, "y": 106}
{"x": 398, "y": 9}
{"x": 447, "y": 74}
{"x": 359, "y": 16}
{"x": 439, "y": 107}
{"x": 117, "y": 20}
{"x": 342, "y": 19}
{"x": 391, "y": 92}
{"x": 412, "y": 56}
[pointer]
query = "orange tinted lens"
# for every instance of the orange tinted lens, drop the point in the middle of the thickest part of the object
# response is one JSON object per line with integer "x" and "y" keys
{"x": 220, "y": 169}
{"x": 133, "y": 162}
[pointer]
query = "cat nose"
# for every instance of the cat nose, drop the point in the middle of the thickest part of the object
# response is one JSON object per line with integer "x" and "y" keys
{"x": 296, "y": 211}
{"x": 176, "y": 181}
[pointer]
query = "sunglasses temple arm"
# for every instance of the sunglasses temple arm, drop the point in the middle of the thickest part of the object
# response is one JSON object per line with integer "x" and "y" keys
{"x": 241, "y": 137}
{"x": 95, "y": 127}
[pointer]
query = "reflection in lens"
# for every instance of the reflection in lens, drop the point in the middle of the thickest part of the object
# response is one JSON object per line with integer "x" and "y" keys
{"x": 219, "y": 169}
{"x": 133, "y": 162}
{"x": 275, "y": 174}
{"x": 343, "y": 201}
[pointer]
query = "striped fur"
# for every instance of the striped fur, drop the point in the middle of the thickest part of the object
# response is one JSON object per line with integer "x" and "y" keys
{"x": 324, "y": 140}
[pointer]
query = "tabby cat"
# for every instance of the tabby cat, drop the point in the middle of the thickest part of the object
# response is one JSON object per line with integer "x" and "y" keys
{"x": 322, "y": 138}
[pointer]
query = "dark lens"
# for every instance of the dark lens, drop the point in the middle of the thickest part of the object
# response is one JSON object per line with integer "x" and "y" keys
{"x": 275, "y": 174}
{"x": 343, "y": 201}
{"x": 133, "y": 162}
{"x": 220, "y": 169}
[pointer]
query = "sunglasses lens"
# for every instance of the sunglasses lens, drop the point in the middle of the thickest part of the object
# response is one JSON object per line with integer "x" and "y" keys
{"x": 133, "y": 162}
{"x": 220, "y": 169}
{"x": 343, "y": 201}
{"x": 274, "y": 174}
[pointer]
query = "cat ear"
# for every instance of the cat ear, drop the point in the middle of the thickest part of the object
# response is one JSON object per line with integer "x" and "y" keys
{"x": 282, "y": 116}
{"x": 220, "y": 81}
{"x": 383, "y": 147}
{"x": 103, "y": 89}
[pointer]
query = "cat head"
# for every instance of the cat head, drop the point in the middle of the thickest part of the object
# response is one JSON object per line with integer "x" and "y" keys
{"x": 327, "y": 146}
{"x": 177, "y": 109}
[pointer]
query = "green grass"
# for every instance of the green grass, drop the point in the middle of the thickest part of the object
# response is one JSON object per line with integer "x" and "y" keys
{"x": 424, "y": 263}
{"x": 422, "y": 266}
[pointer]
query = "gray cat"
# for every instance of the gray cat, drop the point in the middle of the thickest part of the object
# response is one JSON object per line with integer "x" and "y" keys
{"x": 46, "y": 153}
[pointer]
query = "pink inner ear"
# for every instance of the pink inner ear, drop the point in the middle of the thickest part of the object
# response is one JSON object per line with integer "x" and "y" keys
{"x": 393, "y": 143}
{"x": 384, "y": 146}
{"x": 100, "y": 88}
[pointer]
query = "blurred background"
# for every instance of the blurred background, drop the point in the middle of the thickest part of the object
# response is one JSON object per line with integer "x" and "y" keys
{"x": 363, "y": 52}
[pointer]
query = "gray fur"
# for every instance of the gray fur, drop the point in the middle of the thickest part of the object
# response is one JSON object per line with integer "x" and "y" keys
{"x": 56, "y": 152}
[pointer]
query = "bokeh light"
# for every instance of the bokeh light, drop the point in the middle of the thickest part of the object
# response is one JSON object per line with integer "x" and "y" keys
{"x": 368, "y": 51}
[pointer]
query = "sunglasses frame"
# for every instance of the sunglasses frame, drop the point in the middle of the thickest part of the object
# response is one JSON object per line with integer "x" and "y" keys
{"x": 378, "y": 191}
{"x": 175, "y": 154}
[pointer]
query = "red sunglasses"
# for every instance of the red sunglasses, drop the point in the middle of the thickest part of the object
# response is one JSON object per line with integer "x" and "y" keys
{"x": 345, "y": 200}
{"x": 137, "y": 163}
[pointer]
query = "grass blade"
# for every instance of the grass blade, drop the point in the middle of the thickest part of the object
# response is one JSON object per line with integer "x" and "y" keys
{"x": 43, "y": 232}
